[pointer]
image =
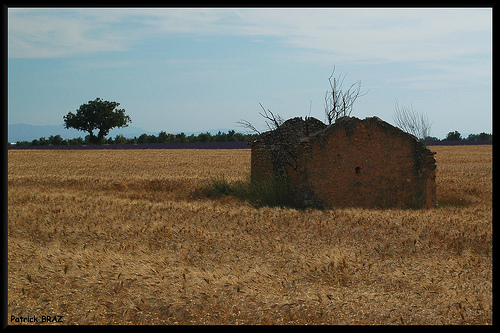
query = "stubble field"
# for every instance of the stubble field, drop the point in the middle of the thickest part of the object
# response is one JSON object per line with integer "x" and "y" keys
{"x": 124, "y": 237}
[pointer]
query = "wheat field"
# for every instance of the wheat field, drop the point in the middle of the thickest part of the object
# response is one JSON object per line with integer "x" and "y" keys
{"x": 124, "y": 237}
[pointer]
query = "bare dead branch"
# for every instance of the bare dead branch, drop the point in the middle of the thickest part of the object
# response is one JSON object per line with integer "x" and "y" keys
{"x": 273, "y": 121}
{"x": 279, "y": 148}
{"x": 246, "y": 124}
{"x": 412, "y": 122}
{"x": 337, "y": 102}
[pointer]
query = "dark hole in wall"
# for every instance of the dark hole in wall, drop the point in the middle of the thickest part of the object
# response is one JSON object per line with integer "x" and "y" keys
{"x": 358, "y": 170}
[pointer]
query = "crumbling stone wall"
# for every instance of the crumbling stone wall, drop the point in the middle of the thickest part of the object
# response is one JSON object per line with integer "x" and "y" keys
{"x": 351, "y": 163}
{"x": 276, "y": 152}
{"x": 366, "y": 163}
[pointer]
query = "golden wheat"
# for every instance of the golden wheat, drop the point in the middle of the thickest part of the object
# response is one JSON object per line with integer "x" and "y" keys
{"x": 121, "y": 237}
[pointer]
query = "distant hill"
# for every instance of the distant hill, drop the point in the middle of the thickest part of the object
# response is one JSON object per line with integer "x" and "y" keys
{"x": 25, "y": 132}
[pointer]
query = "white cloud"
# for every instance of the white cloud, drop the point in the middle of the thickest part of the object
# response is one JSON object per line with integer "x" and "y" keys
{"x": 378, "y": 34}
{"x": 43, "y": 33}
{"x": 448, "y": 75}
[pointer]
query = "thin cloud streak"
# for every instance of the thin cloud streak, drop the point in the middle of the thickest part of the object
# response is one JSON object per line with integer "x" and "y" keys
{"x": 385, "y": 35}
{"x": 52, "y": 33}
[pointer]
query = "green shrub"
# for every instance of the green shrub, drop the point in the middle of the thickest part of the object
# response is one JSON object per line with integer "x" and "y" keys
{"x": 217, "y": 187}
{"x": 274, "y": 192}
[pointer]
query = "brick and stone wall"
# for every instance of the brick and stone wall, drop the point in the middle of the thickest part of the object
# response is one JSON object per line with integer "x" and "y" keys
{"x": 366, "y": 163}
{"x": 351, "y": 163}
{"x": 271, "y": 150}
{"x": 262, "y": 165}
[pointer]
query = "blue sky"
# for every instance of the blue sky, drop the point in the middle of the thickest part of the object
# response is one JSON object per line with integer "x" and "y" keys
{"x": 177, "y": 69}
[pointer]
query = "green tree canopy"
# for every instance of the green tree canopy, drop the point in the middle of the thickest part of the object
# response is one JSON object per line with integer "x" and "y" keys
{"x": 482, "y": 136}
{"x": 454, "y": 136}
{"x": 97, "y": 115}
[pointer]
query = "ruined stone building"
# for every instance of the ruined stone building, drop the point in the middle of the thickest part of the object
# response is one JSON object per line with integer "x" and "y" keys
{"x": 277, "y": 151}
{"x": 351, "y": 163}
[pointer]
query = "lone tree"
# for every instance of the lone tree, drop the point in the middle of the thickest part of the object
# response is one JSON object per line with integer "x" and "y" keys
{"x": 97, "y": 115}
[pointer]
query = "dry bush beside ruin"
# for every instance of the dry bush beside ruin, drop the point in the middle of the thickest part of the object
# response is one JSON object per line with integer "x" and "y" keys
{"x": 120, "y": 237}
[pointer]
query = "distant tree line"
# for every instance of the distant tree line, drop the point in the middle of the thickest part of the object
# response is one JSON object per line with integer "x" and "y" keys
{"x": 162, "y": 137}
{"x": 456, "y": 136}
{"x": 231, "y": 136}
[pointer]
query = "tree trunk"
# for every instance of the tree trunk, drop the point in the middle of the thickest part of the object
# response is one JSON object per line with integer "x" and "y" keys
{"x": 93, "y": 139}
